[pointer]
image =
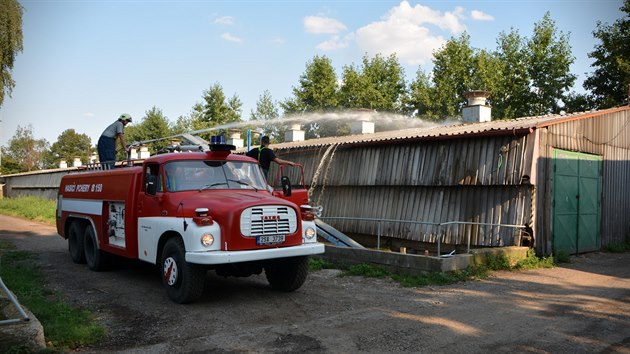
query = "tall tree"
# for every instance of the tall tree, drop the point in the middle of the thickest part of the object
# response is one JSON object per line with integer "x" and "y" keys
{"x": 265, "y": 115}
{"x": 609, "y": 83}
{"x": 10, "y": 43}
{"x": 511, "y": 96}
{"x": 69, "y": 145}
{"x": 218, "y": 110}
{"x": 550, "y": 58}
{"x": 380, "y": 85}
{"x": 420, "y": 99}
{"x": 154, "y": 125}
{"x": 452, "y": 75}
{"x": 317, "y": 92}
{"x": 26, "y": 152}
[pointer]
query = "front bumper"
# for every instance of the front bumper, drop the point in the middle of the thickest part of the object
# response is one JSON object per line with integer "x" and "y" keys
{"x": 224, "y": 257}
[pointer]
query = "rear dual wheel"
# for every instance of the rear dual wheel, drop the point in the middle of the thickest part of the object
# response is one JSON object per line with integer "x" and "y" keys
{"x": 96, "y": 259}
{"x": 75, "y": 242}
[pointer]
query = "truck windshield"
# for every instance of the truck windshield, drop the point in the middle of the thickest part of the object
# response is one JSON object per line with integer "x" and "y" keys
{"x": 201, "y": 175}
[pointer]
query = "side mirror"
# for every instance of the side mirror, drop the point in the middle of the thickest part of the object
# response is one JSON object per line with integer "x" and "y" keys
{"x": 286, "y": 186}
{"x": 151, "y": 186}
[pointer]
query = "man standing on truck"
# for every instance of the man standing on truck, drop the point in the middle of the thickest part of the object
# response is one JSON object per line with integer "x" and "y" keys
{"x": 265, "y": 155}
{"x": 107, "y": 141}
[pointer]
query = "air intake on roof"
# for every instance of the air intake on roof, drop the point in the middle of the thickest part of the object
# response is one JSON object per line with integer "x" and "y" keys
{"x": 476, "y": 110}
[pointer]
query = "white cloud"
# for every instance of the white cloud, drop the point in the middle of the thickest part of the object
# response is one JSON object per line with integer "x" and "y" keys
{"x": 336, "y": 42}
{"x": 319, "y": 24}
{"x": 403, "y": 30}
{"x": 481, "y": 16}
{"x": 278, "y": 40}
{"x": 225, "y": 20}
{"x": 230, "y": 38}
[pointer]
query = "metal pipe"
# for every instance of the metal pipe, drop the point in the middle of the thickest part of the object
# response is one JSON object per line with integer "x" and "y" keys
{"x": 15, "y": 303}
{"x": 378, "y": 235}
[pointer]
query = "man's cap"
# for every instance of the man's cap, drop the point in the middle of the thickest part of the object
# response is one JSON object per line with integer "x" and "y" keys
{"x": 125, "y": 117}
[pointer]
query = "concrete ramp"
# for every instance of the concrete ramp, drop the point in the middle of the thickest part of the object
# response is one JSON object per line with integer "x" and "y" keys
{"x": 335, "y": 236}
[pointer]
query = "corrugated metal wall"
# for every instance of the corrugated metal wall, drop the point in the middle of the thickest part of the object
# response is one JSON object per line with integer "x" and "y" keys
{"x": 465, "y": 179}
{"x": 607, "y": 135}
{"x": 42, "y": 184}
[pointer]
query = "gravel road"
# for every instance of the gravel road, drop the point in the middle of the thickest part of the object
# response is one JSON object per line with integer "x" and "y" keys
{"x": 580, "y": 307}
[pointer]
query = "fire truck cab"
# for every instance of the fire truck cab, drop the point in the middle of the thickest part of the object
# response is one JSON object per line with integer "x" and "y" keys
{"x": 188, "y": 213}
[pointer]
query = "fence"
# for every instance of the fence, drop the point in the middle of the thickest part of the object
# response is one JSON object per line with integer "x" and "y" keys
{"x": 439, "y": 226}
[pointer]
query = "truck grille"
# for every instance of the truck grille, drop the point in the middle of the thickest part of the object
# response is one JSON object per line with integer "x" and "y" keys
{"x": 268, "y": 220}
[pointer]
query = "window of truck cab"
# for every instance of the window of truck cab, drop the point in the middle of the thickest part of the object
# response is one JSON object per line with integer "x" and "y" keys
{"x": 187, "y": 175}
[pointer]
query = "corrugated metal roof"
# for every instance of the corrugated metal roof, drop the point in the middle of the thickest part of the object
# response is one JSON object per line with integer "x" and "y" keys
{"x": 501, "y": 127}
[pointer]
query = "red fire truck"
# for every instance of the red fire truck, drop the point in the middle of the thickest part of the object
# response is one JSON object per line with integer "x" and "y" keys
{"x": 188, "y": 213}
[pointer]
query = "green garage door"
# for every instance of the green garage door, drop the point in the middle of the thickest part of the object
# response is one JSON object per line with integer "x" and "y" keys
{"x": 576, "y": 201}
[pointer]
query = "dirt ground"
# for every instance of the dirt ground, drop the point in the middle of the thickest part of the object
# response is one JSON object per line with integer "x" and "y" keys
{"x": 580, "y": 307}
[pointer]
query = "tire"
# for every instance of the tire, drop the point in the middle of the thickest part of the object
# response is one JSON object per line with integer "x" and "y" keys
{"x": 287, "y": 274}
{"x": 182, "y": 281}
{"x": 96, "y": 259}
{"x": 76, "y": 234}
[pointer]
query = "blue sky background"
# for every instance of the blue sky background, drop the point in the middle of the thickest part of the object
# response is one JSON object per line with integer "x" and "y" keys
{"x": 86, "y": 62}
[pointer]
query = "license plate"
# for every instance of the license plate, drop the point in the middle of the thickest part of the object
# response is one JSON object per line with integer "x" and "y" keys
{"x": 269, "y": 240}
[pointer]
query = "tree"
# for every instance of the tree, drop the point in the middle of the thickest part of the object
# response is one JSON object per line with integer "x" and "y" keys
{"x": 512, "y": 96}
{"x": 154, "y": 125}
{"x": 420, "y": 98}
{"x": 380, "y": 85}
{"x": 317, "y": 92}
{"x": 10, "y": 43}
{"x": 452, "y": 75}
{"x": 69, "y": 145}
{"x": 266, "y": 114}
{"x": 609, "y": 82}
{"x": 25, "y": 153}
{"x": 217, "y": 110}
{"x": 549, "y": 59}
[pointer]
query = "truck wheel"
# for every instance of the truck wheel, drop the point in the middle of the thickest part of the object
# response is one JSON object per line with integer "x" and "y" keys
{"x": 183, "y": 281}
{"x": 287, "y": 274}
{"x": 96, "y": 259}
{"x": 75, "y": 242}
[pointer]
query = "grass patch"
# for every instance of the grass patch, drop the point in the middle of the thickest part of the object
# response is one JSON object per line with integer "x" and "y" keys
{"x": 32, "y": 208}
{"x": 315, "y": 264}
{"x": 64, "y": 326}
{"x": 433, "y": 278}
{"x": 618, "y": 247}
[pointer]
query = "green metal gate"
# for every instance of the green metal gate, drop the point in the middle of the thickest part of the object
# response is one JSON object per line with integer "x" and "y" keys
{"x": 576, "y": 202}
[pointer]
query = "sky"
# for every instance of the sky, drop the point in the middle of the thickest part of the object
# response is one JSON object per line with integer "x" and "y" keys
{"x": 86, "y": 62}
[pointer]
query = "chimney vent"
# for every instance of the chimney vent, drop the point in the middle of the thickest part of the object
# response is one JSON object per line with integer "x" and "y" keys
{"x": 362, "y": 126}
{"x": 476, "y": 110}
{"x": 63, "y": 164}
{"x": 295, "y": 133}
{"x": 76, "y": 162}
{"x": 235, "y": 139}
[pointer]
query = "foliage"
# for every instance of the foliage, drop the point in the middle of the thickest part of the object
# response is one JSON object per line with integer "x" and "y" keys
{"x": 618, "y": 247}
{"x": 10, "y": 43}
{"x": 431, "y": 278}
{"x": 265, "y": 114}
{"x": 609, "y": 82}
{"x": 549, "y": 61}
{"x": 69, "y": 145}
{"x": 531, "y": 261}
{"x": 64, "y": 326}
{"x": 154, "y": 125}
{"x": 578, "y": 102}
{"x": 24, "y": 153}
{"x": 32, "y": 208}
{"x": 452, "y": 75}
{"x": 315, "y": 264}
{"x": 217, "y": 110}
{"x": 512, "y": 93}
{"x": 317, "y": 92}
{"x": 562, "y": 257}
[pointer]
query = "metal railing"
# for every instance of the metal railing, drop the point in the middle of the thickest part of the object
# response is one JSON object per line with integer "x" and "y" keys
{"x": 17, "y": 306}
{"x": 434, "y": 224}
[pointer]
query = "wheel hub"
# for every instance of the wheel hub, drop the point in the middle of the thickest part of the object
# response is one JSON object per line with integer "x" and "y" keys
{"x": 170, "y": 271}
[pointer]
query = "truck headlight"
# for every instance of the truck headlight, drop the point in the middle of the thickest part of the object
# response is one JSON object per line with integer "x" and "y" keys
{"x": 207, "y": 240}
{"x": 309, "y": 232}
